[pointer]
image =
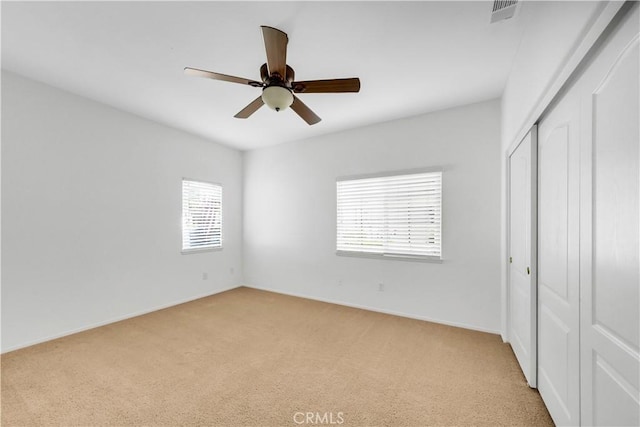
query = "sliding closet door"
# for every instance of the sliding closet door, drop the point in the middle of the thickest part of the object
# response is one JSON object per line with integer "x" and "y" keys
{"x": 589, "y": 239}
{"x": 610, "y": 281}
{"x": 558, "y": 263}
{"x": 522, "y": 255}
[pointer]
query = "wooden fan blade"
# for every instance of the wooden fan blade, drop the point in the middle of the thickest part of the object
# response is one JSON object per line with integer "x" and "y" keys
{"x": 303, "y": 111}
{"x": 327, "y": 86}
{"x": 250, "y": 109}
{"x": 217, "y": 76}
{"x": 275, "y": 43}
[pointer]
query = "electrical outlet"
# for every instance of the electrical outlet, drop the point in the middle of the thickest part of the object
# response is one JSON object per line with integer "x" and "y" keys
{"x": 205, "y": 276}
{"x": 381, "y": 287}
{"x": 232, "y": 270}
{"x": 339, "y": 282}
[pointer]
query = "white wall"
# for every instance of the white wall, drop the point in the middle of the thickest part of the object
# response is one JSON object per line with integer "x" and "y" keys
{"x": 552, "y": 31}
{"x": 290, "y": 217}
{"x": 91, "y": 214}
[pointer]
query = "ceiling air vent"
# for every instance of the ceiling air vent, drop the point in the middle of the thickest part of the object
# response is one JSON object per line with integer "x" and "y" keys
{"x": 503, "y": 9}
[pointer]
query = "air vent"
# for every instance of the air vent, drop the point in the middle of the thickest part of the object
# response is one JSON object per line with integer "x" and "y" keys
{"x": 503, "y": 9}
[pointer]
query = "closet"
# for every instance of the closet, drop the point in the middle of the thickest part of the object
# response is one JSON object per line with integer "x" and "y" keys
{"x": 588, "y": 233}
{"x": 588, "y": 240}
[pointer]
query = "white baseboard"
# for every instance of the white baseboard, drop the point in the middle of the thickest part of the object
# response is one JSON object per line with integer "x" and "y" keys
{"x": 116, "y": 319}
{"x": 174, "y": 303}
{"x": 378, "y": 310}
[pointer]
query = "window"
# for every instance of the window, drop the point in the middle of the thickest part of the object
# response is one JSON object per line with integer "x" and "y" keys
{"x": 395, "y": 216}
{"x": 201, "y": 215}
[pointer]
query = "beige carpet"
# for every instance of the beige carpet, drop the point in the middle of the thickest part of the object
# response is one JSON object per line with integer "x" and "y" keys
{"x": 249, "y": 357}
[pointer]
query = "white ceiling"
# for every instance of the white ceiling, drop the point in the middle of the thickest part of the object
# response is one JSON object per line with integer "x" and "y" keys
{"x": 411, "y": 58}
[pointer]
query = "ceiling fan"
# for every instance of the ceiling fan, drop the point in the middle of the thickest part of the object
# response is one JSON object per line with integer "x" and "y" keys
{"x": 278, "y": 81}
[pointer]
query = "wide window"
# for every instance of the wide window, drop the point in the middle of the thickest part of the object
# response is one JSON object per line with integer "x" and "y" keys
{"x": 394, "y": 216}
{"x": 201, "y": 215}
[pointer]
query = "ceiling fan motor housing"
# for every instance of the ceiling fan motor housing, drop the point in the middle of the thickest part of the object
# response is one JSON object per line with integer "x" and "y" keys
{"x": 276, "y": 79}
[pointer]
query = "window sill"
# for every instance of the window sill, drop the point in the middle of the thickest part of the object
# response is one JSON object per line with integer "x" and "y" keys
{"x": 199, "y": 250}
{"x": 430, "y": 259}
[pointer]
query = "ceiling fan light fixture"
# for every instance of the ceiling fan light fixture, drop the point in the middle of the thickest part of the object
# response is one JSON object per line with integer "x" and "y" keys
{"x": 277, "y": 97}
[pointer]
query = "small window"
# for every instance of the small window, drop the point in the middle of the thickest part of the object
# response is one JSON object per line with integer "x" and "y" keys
{"x": 394, "y": 216}
{"x": 201, "y": 215}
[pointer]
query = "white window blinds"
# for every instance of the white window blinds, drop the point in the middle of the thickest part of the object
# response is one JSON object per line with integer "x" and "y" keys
{"x": 391, "y": 215}
{"x": 201, "y": 215}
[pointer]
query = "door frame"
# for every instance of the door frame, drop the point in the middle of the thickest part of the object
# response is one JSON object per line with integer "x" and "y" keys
{"x": 533, "y": 134}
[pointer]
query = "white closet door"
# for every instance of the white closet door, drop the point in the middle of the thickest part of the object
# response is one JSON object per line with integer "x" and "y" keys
{"x": 589, "y": 237}
{"x": 522, "y": 254}
{"x": 610, "y": 254}
{"x": 558, "y": 263}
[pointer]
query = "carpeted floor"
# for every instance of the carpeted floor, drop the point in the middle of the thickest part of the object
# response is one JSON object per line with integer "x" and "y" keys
{"x": 249, "y": 357}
